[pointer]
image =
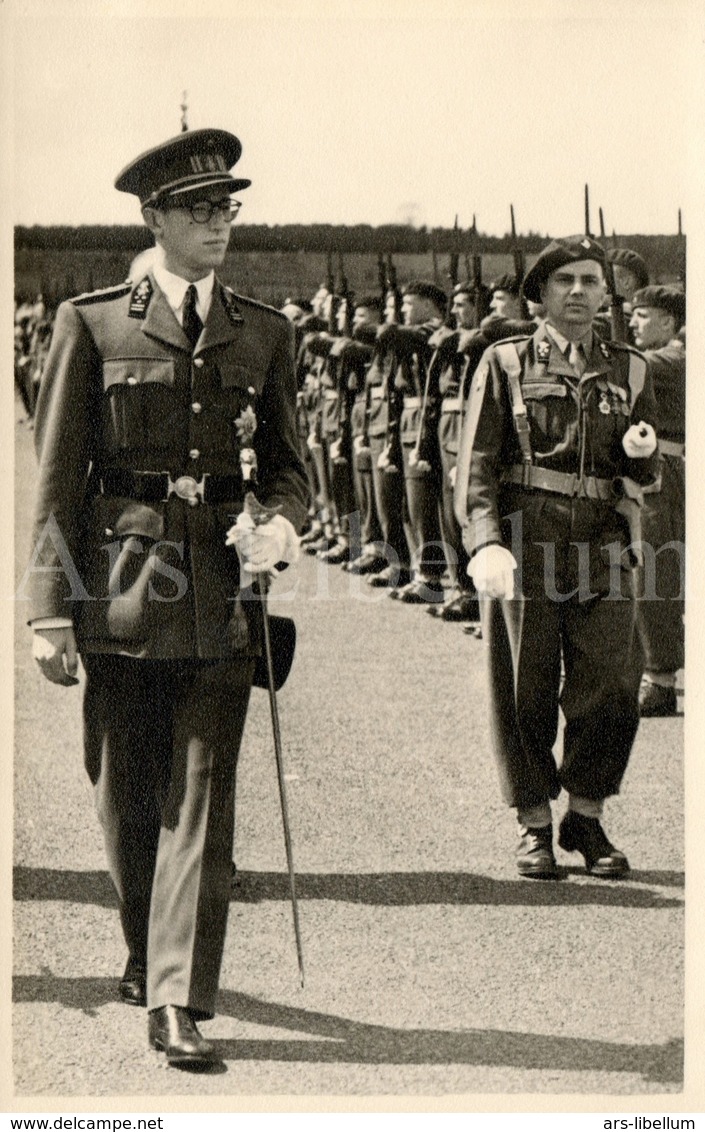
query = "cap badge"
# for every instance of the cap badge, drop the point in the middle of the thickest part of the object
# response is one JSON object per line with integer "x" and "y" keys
{"x": 585, "y": 243}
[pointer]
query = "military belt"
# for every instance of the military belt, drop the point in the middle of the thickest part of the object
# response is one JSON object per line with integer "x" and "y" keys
{"x": 376, "y": 393}
{"x": 563, "y": 483}
{"x": 413, "y": 402}
{"x": 157, "y": 487}
{"x": 330, "y": 395}
{"x": 451, "y": 405}
{"x": 671, "y": 448}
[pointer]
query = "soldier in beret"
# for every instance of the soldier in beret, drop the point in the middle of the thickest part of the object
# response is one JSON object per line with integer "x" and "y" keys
{"x": 557, "y": 439}
{"x": 159, "y": 400}
{"x": 658, "y": 315}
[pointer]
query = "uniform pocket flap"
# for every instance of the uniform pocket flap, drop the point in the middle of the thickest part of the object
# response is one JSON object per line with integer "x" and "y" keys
{"x": 235, "y": 374}
{"x": 538, "y": 389}
{"x": 138, "y": 371}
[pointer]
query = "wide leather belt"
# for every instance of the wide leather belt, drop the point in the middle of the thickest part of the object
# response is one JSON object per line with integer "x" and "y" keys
{"x": 413, "y": 402}
{"x": 671, "y": 448}
{"x": 330, "y": 395}
{"x": 451, "y": 405}
{"x": 157, "y": 487}
{"x": 563, "y": 483}
{"x": 376, "y": 393}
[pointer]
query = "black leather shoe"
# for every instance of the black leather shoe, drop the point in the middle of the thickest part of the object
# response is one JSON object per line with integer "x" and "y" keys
{"x": 535, "y": 853}
{"x": 657, "y": 699}
{"x": 338, "y": 553}
{"x": 585, "y": 835}
{"x": 365, "y": 564}
{"x": 133, "y": 984}
{"x": 173, "y": 1031}
{"x": 459, "y": 607}
{"x": 423, "y": 591}
{"x": 394, "y": 576}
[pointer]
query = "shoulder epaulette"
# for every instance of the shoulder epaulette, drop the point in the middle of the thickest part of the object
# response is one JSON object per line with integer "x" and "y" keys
{"x": 103, "y": 295}
{"x": 235, "y": 298}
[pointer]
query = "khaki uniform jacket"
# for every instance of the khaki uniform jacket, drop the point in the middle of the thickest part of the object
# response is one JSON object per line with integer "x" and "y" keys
{"x": 576, "y": 424}
{"x": 122, "y": 390}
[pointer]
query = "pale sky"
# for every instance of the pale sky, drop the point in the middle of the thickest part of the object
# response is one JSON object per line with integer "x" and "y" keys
{"x": 357, "y": 113}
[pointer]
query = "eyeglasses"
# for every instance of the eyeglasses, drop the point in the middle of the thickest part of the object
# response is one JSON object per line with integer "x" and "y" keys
{"x": 202, "y": 211}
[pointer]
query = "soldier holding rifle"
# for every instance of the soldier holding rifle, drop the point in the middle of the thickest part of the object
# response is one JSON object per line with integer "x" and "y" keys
{"x": 159, "y": 400}
{"x": 557, "y": 441}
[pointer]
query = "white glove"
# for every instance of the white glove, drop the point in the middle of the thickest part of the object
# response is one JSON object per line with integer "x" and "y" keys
{"x": 261, "y": 547}
{"x": 492, "y": 571}
{"x": 639, "y": 441}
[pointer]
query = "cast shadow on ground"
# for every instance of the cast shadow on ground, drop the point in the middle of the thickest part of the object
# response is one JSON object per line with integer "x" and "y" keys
{"x": 334, "y": 1039}
{"x": 400, "y": 889}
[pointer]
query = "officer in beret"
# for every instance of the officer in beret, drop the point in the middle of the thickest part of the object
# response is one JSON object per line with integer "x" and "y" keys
{"x": 557, "y": 439}
{"x": 658, "y": 315}
{"x": 161, "y": 399}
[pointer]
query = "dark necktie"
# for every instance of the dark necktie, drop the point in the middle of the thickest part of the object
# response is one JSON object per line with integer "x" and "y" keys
{"x": 192, "y": 324}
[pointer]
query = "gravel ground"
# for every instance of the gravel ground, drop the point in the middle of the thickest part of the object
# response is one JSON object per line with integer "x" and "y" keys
{"x": 430, "y": 967}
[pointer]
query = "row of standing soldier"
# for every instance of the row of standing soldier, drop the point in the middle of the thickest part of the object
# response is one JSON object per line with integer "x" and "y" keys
{"x": 383, "y": 381}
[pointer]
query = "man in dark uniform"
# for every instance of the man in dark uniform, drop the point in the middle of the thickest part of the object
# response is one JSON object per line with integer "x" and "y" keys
{"x": 658, "y": 314}
{"x": 556, "y": 440}
{"x": 158, "y": 400}
{"x": 423, "y": 308}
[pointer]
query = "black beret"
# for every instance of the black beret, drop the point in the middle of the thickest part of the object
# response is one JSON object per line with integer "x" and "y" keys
{"x": 505, "y": 282}
{"x": 557, "y": 254}
{"x": 429, "y": 291}
{"x": 195, "y": 159}
{"x": 625, "y": 257}
{"x": 668, "y": 299}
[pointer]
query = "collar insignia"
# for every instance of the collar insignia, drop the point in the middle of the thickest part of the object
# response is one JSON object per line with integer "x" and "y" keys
{"x": 543, "y": 351}
{"x": 605, "y": 350}
{"x": 231, "y": 307}
{"x": 140, "y": 299}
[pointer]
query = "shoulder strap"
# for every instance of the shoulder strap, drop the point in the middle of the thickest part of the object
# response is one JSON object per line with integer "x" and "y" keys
{"x": 467, "y": 440}
{"x": 637, "y": 375}
{"x": 509, "y": 359}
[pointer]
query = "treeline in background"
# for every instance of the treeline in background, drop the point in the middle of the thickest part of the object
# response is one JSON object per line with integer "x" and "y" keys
{"x": 272, "y": 262}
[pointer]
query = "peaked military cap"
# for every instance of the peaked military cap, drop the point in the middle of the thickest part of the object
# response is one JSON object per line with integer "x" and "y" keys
{"x": 557, "y": 254}
{"x": 195, "y": 159}
{"x": 625, "y": 257}
{"x": 664, "y": 298}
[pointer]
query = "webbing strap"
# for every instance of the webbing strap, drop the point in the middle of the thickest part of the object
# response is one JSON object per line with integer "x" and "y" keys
{"x": 509, "y": 359}
{"x": 473, "y": 407}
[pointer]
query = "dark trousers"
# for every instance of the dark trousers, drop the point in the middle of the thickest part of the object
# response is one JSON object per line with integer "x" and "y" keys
{"x": 161, "y": 746}
{"x": 448, "y": 435}
{"x": 661, "y": 585}
{"x": 593, "y": 632}
{"x": 423, "y": 495}
{"x": 390, "y": 498}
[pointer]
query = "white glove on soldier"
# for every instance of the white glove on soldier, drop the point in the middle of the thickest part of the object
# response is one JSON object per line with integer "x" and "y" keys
{"x": 492, "y": 571}
{"x": 261, "y": 547}
{"x": 639, "y": 441}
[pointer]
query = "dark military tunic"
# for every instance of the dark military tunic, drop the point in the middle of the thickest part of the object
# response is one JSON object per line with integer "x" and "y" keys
{"x": 126, "y": 409}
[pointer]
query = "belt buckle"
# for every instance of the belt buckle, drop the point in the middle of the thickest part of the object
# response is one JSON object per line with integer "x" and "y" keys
{"x": 188, "y": 488}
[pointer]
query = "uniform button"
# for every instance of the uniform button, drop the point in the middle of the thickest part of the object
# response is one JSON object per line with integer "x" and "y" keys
{"x": 251, "y": 390}
{"x": 132, "y": 381}
{"x": 108, "y": 531}
{"x": 198, "y": 362}
{"x": 196, "y": 407}
{"x": 194, "y": 454}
